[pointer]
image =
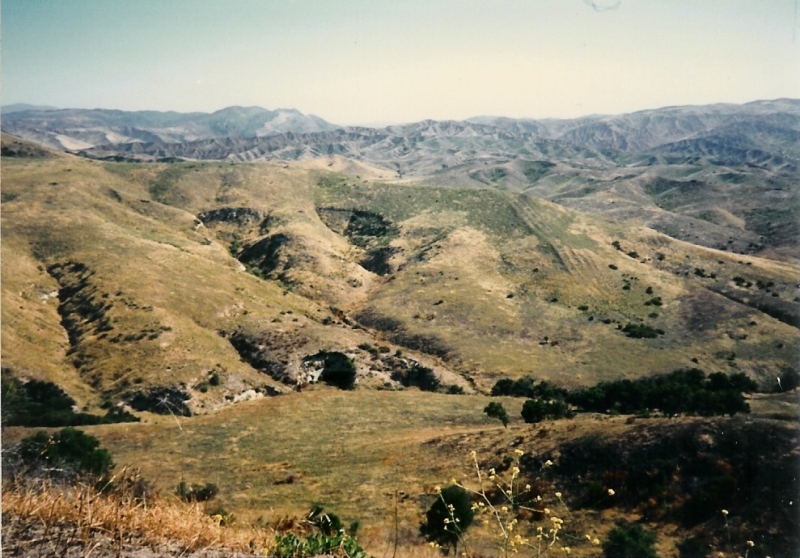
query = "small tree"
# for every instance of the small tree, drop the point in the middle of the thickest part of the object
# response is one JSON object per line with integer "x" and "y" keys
{"x": 337, "y": 369}
{"x": 496, "y": 410}
{"x": 628, "y": 540}
{"x": 448, "y": 517}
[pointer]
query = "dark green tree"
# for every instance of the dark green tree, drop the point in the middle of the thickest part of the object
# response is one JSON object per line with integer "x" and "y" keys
{"x": 448, "y": 517}
{"x": 496, "y": 410}
{"x": 337, "y": 369}
{"x": 537, "y": 410}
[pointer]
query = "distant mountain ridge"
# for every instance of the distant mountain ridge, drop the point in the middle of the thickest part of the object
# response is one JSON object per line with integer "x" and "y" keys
{"x": 72, "y": 129}
{"x": 754, "y": 133}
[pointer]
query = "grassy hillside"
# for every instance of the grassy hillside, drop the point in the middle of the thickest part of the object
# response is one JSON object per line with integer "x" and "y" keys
{"x": 368, "y": 455}
{"x": 141, "y": 282}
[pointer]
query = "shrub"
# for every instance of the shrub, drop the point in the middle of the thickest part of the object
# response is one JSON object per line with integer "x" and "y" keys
{"x": 419, "y": 376}
{"x": 196, "y": 492}
{"x": 693, "y": 547}
{"x": 537, "y": 410}
{"x": 327, "y": 523}
{"x": 681, "y": 391}
{"x": 641, "y": 331}
{"x": 496, "y": 410}
{"x": 290, "y": 545}
{"x": 40, "y": 404}
{"x": 337, "y": 369}
{"x": 68, "y": 452}
{"x": 628, "y": 540}
{"x": 527, "y": 387}
{"x": 448, "y": 517}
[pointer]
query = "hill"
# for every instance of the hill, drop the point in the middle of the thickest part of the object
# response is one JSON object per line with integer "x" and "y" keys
{"x": 245, "y": 272}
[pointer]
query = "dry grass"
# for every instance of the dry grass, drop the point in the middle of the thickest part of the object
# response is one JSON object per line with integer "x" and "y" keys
{"x": 56, "y": 519}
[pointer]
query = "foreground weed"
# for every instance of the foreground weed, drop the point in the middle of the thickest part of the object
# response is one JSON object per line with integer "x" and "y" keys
{"x": 503, "y": 500}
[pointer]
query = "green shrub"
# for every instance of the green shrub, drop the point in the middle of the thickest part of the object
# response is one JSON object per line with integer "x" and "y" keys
{"x": 681, "y": 391}
{"x": 448, "y": 517}
{"x": 537, "y": 410}
{"x": 289, "y": 545}
{"x": 337, "y": 369}
{"x": 628, "y": 540}
{"x": 527, "y": 387}
{"x": 68, "y": 452}
{"x": 789, "y": 380}
{"x": 641, "y": 331}
{"x": 496, "y": 410}
{"x": 420, "y": 376}
{"x": 42, "y": 404}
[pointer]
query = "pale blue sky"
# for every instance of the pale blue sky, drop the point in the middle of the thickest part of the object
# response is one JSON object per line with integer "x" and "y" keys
{"x": 362, "y": 61}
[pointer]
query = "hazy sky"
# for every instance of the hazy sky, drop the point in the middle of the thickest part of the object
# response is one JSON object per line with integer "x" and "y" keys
{"x": 366, "y": 61}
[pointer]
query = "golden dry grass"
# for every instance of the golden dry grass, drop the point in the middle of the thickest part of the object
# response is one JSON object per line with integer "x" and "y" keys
{"x": 54, "y": 518}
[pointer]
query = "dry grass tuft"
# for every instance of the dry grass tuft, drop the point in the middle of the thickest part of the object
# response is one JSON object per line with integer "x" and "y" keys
{"x": 45, "y": 518}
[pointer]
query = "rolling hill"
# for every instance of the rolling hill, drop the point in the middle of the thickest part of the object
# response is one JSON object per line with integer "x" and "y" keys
{"x": 246, "y": 271}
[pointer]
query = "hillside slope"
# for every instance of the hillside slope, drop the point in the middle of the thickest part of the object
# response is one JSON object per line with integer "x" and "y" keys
{"x": 139, "y": 283}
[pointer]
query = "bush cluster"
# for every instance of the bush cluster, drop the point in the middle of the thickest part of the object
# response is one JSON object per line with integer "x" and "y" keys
{"x": 67, "y": 453}
{"x": 641, "y": 331}
{"x": 681, "y": 391}
{"x": 419, "y": 376}
{"x": 496, "y": 410}
{"x": 537, "y": 410}
{"x": 42, "y": 404}
{"x": 527, "y": 387}
{"x": 329, "y": 539}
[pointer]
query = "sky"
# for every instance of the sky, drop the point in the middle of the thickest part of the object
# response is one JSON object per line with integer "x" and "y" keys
{"x": 389, "y": 61}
